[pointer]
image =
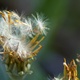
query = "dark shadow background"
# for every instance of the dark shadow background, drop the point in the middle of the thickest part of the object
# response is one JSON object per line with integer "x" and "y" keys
{"x": 63, "y": 39}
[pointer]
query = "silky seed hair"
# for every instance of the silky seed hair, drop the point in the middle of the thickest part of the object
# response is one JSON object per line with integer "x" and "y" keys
{"x": 19, "y": 35}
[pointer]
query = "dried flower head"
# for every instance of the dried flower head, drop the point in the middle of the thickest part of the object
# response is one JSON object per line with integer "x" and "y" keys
{"x": 19, "y": 38}
{"x": 70, "y": 71}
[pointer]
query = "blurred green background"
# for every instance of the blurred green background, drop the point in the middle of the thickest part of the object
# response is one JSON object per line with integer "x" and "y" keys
{"x": 62, "y": 40}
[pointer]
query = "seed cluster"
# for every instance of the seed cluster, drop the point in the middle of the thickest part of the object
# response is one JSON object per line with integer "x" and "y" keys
{"x": 19, "y": 38}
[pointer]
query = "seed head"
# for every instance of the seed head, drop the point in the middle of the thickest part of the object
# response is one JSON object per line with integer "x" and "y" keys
{"x": 19, "y": 38}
